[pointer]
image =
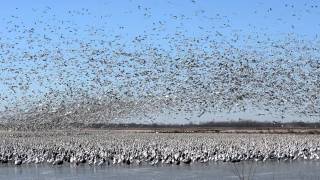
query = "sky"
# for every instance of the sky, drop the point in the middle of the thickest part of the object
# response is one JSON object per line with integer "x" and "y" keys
{"x": 275, "y": 19}
{"x": 272, "y": 17}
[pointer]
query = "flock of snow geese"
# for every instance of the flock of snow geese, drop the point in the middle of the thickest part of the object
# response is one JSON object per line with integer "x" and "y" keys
{"x": 56, "y": 72}
{"x": 117, "y": 148}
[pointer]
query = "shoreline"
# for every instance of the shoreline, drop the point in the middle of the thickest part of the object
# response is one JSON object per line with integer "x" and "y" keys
{"x": 173, "y": 130}
{"x": 241, "y": 126}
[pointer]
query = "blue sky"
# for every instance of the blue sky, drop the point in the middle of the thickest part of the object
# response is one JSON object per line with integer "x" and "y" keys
{"x": 273, "y": 19}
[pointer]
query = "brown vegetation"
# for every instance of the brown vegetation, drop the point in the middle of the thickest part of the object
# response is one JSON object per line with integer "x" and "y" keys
{"x": 244, "y": 126}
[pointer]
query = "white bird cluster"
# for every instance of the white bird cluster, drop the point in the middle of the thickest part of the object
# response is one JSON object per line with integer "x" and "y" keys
{"x": 107, "y": 148}
{"x": 52, "y": 76}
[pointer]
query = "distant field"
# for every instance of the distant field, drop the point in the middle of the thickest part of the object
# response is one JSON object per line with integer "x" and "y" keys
{"x": 217, "y": 127}
{"x": 264, "y": 130}
{"x": 209, "y": 127}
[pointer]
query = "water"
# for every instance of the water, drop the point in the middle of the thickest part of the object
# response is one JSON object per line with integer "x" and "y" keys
{"x": 267, "y": 170}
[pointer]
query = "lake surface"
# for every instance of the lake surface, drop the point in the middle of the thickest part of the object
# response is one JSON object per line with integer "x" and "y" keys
{"x": 266, "y": 170}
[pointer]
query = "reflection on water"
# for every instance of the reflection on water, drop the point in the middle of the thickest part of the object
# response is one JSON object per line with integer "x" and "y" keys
{"x": 267, "y": 170}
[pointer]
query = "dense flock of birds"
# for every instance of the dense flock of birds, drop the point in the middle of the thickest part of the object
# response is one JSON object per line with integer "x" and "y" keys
{"x": 56, "y": 72}
{"x": 118, "y": 148}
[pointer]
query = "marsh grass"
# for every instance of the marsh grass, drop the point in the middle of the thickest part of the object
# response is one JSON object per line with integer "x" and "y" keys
{"x": 244, "y": 170}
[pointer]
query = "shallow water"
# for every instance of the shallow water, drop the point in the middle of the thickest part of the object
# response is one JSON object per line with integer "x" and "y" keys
{"x": 266, "y": 170}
